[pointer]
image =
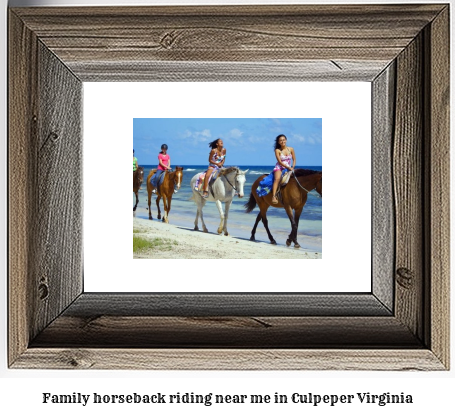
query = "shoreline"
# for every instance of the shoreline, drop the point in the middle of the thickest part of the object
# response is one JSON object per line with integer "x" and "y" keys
{"x": 186, "y": 243}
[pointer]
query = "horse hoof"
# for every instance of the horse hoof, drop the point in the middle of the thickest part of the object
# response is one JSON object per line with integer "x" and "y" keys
{"x": 150, "y": 218}
{"x": 206, "y": 230}
{"x": 253, "y": 239}
{"x": 296, "y": 246}
{"x": 226, "y": 234}
{"x": 196, "y": 228}
{"x": 288, "y": 243}
{"x": 134, "y": 209}
{"x": 273, "y": 242}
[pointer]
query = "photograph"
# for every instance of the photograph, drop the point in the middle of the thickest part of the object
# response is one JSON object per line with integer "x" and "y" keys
{"x": 227, "y": 188}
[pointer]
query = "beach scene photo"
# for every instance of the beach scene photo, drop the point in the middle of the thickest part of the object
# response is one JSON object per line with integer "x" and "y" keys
{"x": 244, "y": 157}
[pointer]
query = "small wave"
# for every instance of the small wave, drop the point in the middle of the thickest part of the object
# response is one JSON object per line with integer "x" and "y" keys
{"x": 256, "y": 172}
{"x": 190, "y": 169}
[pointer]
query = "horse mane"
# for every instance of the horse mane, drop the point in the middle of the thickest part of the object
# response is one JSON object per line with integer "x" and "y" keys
{"x": 227, "y": 170}
{"x": 305, "y": 172}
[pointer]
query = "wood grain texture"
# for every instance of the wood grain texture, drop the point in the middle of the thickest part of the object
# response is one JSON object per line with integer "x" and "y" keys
{"x": 438, "y": 191}
{"x": 21, "y": 171}
{"x": 230, "y": 359}
{"x": 90, "y": 305}
{"x": 308, "y": 71}
{"x": 408, "y": 188}
{"x": 58, "y": 185}
{"x": 256, "y": 332}
{"x": 234, "y": 34}
{"x": 383, "y": 214}
{"x": 402, "y": 50}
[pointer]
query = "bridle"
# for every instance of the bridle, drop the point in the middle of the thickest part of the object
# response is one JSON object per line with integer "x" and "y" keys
{"x": 176, "y": 183}
{"x": 236, "y": 174}
{"x": 308, "y": 191}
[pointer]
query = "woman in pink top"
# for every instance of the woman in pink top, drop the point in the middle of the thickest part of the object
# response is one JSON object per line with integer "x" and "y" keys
{"x": 164, "y": 163}
{"x": 286, "y": 160}
{"x": 163, "y": 159}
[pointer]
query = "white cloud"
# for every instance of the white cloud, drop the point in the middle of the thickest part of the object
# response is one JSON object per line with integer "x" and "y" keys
{"x": 198, "y": 136}
{"x": 298, "y": 137}
{"x": 307, "y": 140}
{"x": 235, "y": 133}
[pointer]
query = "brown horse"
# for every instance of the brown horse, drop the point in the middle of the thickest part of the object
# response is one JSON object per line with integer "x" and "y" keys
{"x": 165, "y": 190}
{"x": 138, "y": 178}
{"x": 291, "y": 197}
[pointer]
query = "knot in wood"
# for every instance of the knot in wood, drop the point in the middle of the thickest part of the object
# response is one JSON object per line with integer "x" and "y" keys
{"x": 76, "y": 359}
{"x": 405, "y": 278}
{"x": 53, "y": 136}
{"x": 43, "y": 291}
{"x": 168, "y": 40}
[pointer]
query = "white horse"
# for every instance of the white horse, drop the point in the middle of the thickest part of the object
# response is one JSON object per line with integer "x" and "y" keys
{"x": 229, "y": 182}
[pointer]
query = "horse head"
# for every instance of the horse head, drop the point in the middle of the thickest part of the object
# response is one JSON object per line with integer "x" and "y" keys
{"x": 178, "y": 176}
{"x": 139, "y": 176}
{"x": 240, "y": 180}
{"x": 235, "y": 177}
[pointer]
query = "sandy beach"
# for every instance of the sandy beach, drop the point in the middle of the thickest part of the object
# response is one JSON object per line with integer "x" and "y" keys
{"x": 185, "y": 243}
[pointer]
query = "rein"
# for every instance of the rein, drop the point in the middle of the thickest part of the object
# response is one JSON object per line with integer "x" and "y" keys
{"x": 231, "y": 183}
{"x": 308, "y": 191}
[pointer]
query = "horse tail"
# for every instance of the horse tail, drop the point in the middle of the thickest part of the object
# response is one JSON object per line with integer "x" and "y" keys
{"x": 251, "y": 204}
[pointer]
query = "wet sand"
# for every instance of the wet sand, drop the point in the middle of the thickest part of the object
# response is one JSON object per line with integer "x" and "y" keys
{"x": 185, "y": 243}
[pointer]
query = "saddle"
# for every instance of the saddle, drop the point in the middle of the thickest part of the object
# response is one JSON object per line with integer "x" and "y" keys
{"x": 285, "y": 178}
{"x": 200, "y": 181}
{"x": 158, "y": 180}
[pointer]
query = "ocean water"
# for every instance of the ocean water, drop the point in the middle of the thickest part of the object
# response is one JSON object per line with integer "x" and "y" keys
{"x": 183, "y": 210}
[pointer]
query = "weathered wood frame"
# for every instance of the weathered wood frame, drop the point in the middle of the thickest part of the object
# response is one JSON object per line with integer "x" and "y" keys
{"x": 403, "y": 50}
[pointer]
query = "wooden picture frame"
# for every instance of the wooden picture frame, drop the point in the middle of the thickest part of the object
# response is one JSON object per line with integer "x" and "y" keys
{"x": 403, "y": 324}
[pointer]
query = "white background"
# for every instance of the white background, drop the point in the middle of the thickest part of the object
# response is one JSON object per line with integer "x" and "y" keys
{"x": 20, "y": 391}
{"x": 345, "y": 109}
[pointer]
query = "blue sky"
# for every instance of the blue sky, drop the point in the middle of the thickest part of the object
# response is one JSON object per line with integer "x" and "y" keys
{"x": 248, "y": 141}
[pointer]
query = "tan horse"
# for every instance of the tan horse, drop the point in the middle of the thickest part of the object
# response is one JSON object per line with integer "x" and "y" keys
{"x": 166, "y": 190}
{"x": 138, "y": 178}
{"x": 292, "y": 197}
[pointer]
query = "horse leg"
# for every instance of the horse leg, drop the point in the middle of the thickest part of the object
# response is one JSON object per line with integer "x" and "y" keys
{"x": 265, "y": 222}
{"x": 204, "y": 228}
{"x": 166, "y": 207}
{"x": 137, "y": 201}
{"x": 296, "y": 219}
{"x": 293, "y": 233}
{"x": 220, "y": 209}
{"x": 169, "y": 200}
{"x": 149, "y": 202}
{"x": 158, "y": 198}
{"x": 197, "y": 201}
{"x": 253, "y": 231}
{"x": 227, "y": 205}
